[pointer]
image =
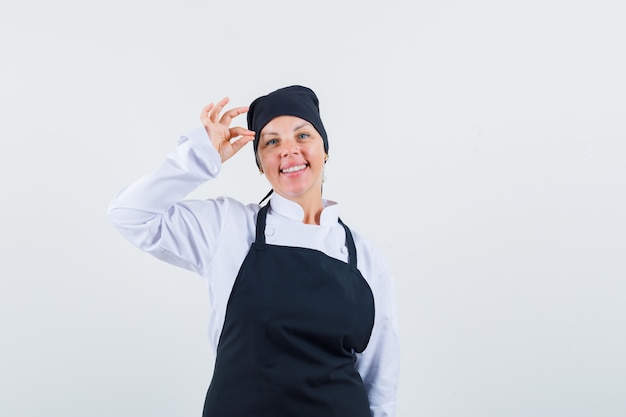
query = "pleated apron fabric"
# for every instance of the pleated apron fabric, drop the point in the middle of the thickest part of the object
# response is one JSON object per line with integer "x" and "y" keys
{"x": 294, "y": 320}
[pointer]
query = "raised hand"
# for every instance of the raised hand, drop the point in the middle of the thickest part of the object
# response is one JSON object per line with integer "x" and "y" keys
{"x": 226, "y": 140}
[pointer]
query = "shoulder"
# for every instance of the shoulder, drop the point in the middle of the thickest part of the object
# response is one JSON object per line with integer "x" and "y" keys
{"x": 222, "y": 205}
{"x": 233, "y": 210}
{"x": 237, "y": 208}
{"x": 371, "y": 260}
{"x": 223, "y": 214}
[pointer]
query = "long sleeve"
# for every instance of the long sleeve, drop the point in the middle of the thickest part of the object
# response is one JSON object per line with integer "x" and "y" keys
{"x": 151, "y": 213}
{"x": 379, "y": 364}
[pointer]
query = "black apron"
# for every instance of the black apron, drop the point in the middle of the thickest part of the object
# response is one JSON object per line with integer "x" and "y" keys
{"x": 294, "y": 320}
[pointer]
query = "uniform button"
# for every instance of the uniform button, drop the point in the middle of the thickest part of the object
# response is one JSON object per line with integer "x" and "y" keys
{"x": 344, "y": 250}
{"x": 269, "y": 231}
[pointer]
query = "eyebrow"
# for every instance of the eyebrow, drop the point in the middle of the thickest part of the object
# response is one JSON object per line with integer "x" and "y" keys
{"x": 295, "y": 129}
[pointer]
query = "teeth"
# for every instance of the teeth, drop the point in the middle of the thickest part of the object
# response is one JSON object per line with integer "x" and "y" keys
{"x": 294, "y": 169}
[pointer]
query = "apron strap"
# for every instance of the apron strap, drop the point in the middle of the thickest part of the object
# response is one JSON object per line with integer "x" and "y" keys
{"x": 350, "y": 245}
{"x": 259, "y": 242}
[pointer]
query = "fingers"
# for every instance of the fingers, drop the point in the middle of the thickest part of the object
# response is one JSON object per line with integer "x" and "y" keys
{"x": 245, "y": 136}
{"x": 226, "y": 140}
{"x": 211, "y": 112}
{"x": 232, "y": 113}
{"x": 215, "y": 113}
{"x": 204, "y": 114}
{"x": 240, "y": 131}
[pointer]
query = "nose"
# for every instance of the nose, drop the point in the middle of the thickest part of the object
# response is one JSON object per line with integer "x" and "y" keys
{"x": 290, "y": 148}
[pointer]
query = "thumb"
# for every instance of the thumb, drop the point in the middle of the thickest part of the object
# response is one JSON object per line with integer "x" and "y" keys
{"x": 241, "y": 142}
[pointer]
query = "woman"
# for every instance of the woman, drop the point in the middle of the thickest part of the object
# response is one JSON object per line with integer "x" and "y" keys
{"x": 302, "y": 315}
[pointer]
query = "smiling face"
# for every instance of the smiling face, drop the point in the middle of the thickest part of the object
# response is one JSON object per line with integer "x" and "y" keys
{"x": 291, "y": 155}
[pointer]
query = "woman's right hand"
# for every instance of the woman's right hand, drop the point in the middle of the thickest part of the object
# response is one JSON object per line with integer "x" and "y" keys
{"x": 226, "y": 140}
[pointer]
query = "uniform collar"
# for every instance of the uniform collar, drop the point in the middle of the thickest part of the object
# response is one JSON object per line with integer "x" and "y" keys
{"x": 292, "y": 210}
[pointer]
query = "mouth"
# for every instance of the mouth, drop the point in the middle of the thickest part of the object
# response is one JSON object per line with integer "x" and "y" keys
{"x": 293, "y": 169}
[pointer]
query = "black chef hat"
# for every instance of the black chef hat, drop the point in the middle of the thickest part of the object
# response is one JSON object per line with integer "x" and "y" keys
{"x": 294, "y": 100}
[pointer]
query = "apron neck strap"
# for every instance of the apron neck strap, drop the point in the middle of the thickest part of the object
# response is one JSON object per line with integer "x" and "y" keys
{"x": 350, "y": 245}
{"x": 260, "y": 227}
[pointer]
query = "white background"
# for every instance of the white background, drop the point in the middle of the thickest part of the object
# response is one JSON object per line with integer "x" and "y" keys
{"x": 480, "y": 144}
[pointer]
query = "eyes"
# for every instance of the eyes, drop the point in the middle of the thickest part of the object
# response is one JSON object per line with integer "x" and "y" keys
{"x": 275, "y": 141}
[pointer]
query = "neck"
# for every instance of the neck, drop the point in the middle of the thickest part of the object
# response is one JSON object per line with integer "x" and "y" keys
{"x": 313, "y": 216}
{"x": 312, "y": 207}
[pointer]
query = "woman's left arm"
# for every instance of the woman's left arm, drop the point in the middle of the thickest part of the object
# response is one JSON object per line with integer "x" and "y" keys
{"x": 379, "y": 364}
